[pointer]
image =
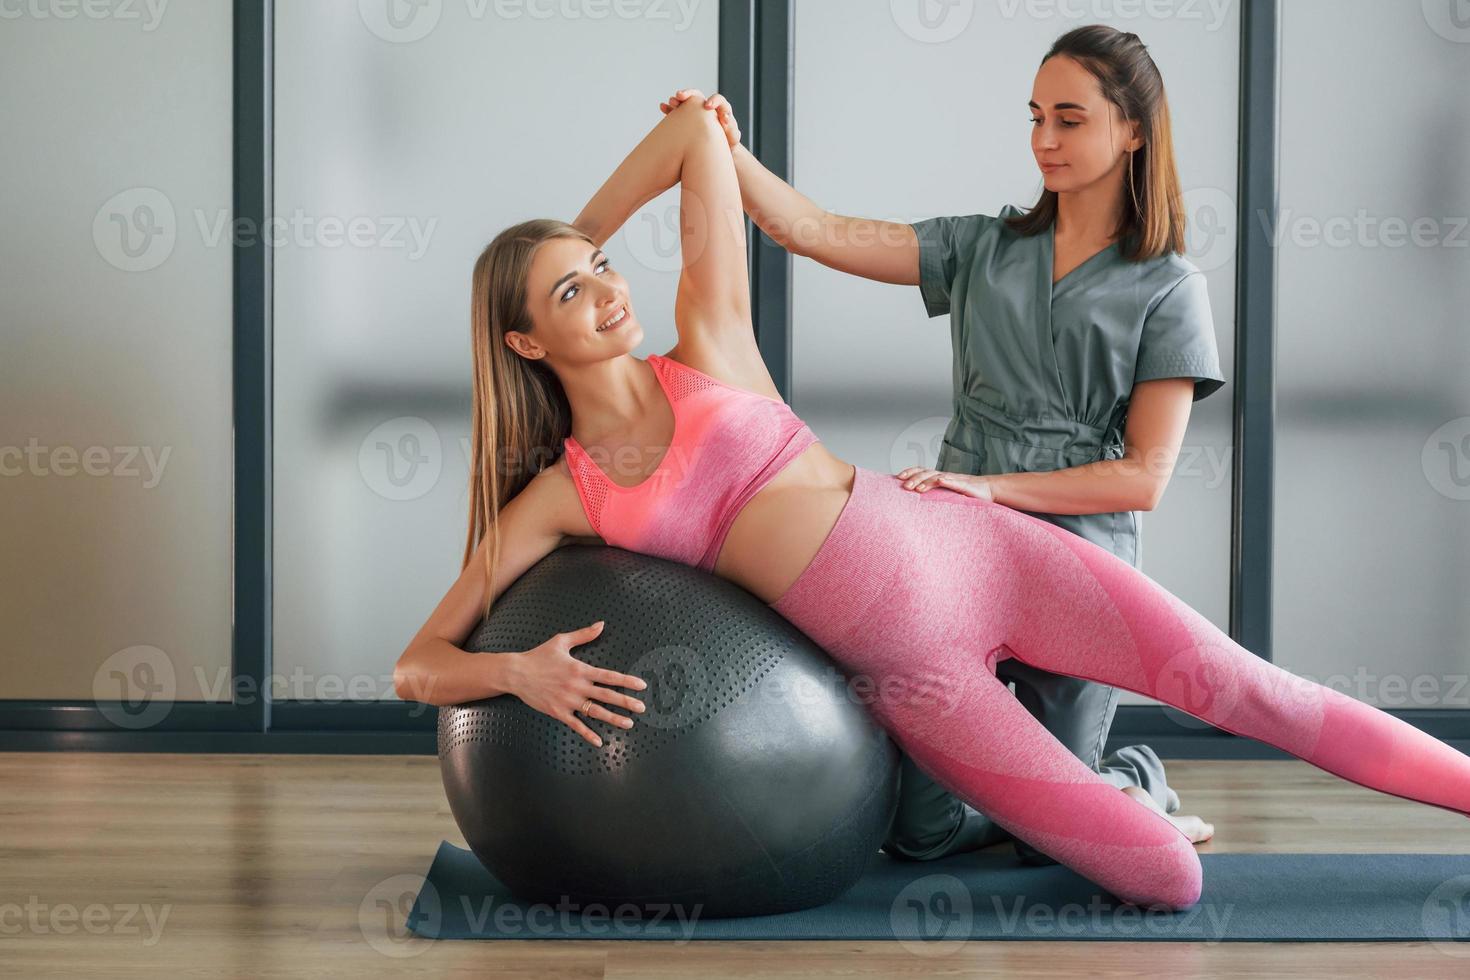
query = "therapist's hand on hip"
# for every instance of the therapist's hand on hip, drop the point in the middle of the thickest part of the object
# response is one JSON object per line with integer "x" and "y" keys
{"x": 919, "y": 479}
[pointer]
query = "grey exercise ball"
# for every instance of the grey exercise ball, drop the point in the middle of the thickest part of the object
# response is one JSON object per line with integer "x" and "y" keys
{"x": 756, "y": 781}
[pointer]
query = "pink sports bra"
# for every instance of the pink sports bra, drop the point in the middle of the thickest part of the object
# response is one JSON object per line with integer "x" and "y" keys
{"x": 728, "y": 443}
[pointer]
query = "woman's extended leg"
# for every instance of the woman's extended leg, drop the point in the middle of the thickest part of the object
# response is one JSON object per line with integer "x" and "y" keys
{"x": 1090, "y": 614}
{"x": 918, "y": 596}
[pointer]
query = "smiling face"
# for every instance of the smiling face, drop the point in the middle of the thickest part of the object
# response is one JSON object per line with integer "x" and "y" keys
{"x": 1074, "y": 126}
{"x": 572, "y": 294}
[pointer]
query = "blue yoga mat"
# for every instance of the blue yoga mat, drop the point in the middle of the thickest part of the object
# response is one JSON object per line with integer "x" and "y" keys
{"x": 933, "y": 905}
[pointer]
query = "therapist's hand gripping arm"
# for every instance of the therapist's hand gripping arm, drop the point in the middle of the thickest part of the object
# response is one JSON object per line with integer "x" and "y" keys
{"x": 885, "y": 251}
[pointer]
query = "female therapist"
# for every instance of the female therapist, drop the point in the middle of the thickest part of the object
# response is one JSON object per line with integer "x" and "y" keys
{"x": 1081, "y": 336}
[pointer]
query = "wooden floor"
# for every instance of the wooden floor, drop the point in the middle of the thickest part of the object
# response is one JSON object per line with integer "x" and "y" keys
{"x": 258, "y": 866}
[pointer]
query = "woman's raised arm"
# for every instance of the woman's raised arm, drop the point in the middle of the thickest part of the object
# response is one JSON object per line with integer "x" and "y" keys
{"x": 712, "y": 308}
{"x": 650, "y": 169}
{"x": 886, "y": 251}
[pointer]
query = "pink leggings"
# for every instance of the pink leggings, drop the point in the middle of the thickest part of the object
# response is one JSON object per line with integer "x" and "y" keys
{"x": 917, "y": 596}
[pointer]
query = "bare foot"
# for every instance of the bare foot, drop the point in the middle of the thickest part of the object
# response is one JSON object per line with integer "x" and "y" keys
{"x": 1190, "y": 826}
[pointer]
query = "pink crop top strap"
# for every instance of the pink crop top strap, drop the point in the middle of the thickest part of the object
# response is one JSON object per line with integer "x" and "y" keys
{"x": 728, "y": 443}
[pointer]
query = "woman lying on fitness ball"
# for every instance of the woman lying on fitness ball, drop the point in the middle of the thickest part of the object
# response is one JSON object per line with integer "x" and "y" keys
{"x": 893, "y": 584}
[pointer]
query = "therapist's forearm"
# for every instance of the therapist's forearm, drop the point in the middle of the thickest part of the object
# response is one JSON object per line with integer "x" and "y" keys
{"x": 789, "y": 217}
{"x": 1102, "y": 487}
{"x": 652, "y": 168}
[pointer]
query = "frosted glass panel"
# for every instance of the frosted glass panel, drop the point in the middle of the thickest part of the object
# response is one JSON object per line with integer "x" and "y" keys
{"x": 429, "y": 132}
{"x": 943, "y": 129}
{"x": 1372, "y": 555}
{"x": 115, "y": 374}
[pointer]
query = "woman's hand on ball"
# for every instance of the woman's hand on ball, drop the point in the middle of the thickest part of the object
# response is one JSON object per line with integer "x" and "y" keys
{"x": 551, "y": 680}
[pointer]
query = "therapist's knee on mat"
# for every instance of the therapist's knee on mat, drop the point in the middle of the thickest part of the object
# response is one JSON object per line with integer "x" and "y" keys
{"x": 920, "y": 833}
{"x": 1027, "y": 854}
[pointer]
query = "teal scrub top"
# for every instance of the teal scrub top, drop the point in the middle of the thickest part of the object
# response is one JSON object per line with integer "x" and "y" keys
{"x": 1043, "y": 373}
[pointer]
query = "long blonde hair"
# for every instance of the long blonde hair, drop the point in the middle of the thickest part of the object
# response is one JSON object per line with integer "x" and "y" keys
{"x": 521, "y": 413}
{"x": 1152, "y": 223}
